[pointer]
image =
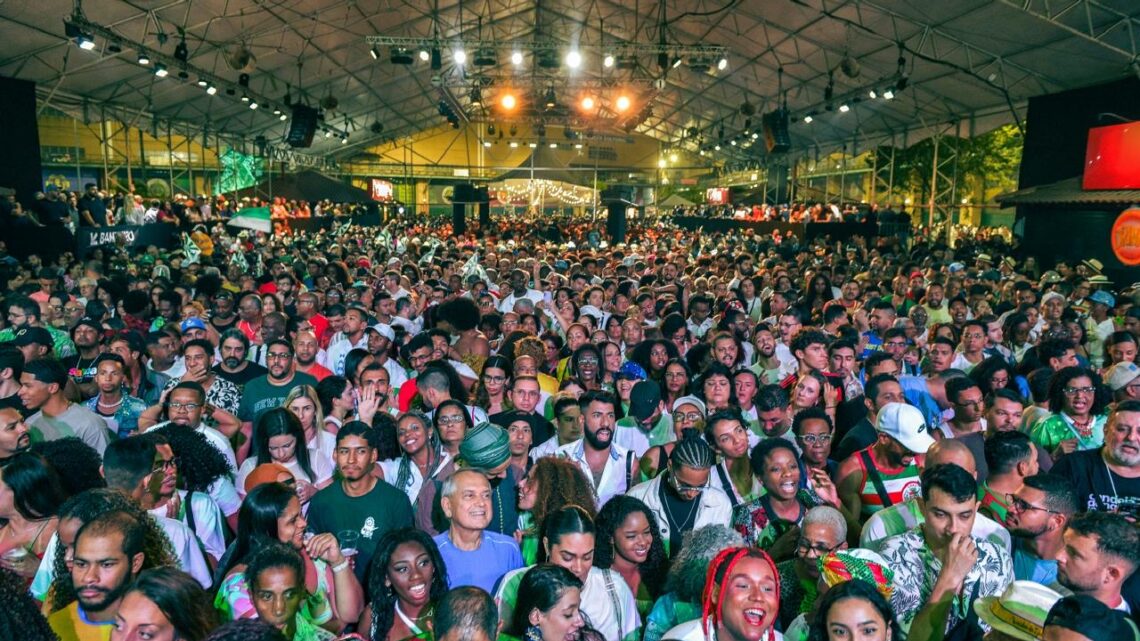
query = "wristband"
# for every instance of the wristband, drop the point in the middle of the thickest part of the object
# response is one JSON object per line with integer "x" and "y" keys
{"x": 341, "y": 567}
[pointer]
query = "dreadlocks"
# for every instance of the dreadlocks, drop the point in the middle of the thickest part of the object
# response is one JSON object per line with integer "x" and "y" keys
{"x": 721, "y": 568}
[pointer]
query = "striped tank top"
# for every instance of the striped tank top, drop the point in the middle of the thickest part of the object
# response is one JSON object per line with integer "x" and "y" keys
{"x": 899, "y": 484}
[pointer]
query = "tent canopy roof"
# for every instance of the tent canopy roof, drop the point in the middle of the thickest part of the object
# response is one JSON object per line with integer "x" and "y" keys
{"x": 306, "y": 185}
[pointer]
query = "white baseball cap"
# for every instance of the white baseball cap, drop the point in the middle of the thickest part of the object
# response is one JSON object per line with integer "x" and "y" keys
{"x": 906, "y": 424}
{"x": 1120, "y": 375}
{"x": 384, "y": 330}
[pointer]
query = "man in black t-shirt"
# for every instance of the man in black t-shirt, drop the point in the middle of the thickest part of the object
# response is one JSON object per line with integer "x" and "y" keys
{"x": 1108, "y": 479}
{"x": 92, "y": 208}
{"x": 234, "y": 366}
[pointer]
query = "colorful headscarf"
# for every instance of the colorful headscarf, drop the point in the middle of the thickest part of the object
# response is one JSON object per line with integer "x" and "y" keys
{"x": 845, "y": 565}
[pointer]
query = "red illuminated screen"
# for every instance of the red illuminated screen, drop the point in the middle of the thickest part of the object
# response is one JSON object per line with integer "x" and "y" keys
{"x": 1112, "y": 159}
{"x": 381, "y": 190}
{"x": 717, "y": 196}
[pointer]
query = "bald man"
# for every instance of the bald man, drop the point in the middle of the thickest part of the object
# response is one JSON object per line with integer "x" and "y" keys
{"x": 907, "y": 515}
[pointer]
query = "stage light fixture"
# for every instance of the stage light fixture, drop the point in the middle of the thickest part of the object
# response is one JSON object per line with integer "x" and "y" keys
{"x": 398, "y": 56}
{"x": 573, "y": 59}
{"x": 144, "y": 59}
{"x": 485, "y": 57}
{"x": 516, "y": 58}
{"x": 211, "y": 90}
{"x": 623, "y": 103}
{"x": 486, "y": 143}
{"x": 889, "y": 94}
{"x": 554, "y": 145}
{"x": 436, "y": 59}
{"x": 276, "y": 111}
{"x": 476, "y": 97}
{"x": 114, "y": 48}
{"x": 424, "y": 55}
{"x": 577, "y": 145}
{"x": 282, "y": 117}
{"x": 344, "y": 139}
{"x": 661, "y": 163}
{"x": 722, "y": 64}
{"x": 514, "y": 144}
{"x": 202, "y": 82}
{"x": 85, "y": 42}
{"x": 716, "y": 147}
{"x": 245, "y": 97}
{"x": 328, "y": 133}
{"x": 873, "y": 94}
{"x": 844, "y": 108}
{"x": 673, "y": 157}
{"x": 676, "y": 61}
{"x": 588, "y": 103}
{"x": 160, "y": 70}
{"x": 374, "y": 53}
{"x": 550, "y": 99}
{"x": 608, "y": 61}
{"x": 253, "y": 104}
{"x": 733, "y": 142}
{"x": 181, "y": 52}
{"x": 459, "y": 56}
{"x": 508, "y": 102}
{"x": 532, "y": 145}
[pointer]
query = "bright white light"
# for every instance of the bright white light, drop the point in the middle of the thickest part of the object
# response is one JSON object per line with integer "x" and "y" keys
{"x": 459, "y": 56}
{"x": 144, "y": 59}
{"x": 661, "y": 163}
{"x": 733, "y": 142}
{"x": 873, "y": 94}
{"x": 588, "y": 103}
{"x": 722, "y": 64}
{"x": 578, "y": 145}
{"x": 486, "y": 143}
{"x": 514, "y": 144}
{"x": 253, "y": 105}
{"x": 532, "y": 145}
{"x": 844, "y": 108}
{"x": 672, "y": 157}
{"x": 211, "y": 90}
{"x": 889, "y": 95}
{"x": 160, "y": 70}
{"x": 808, "y": 119}
{"x": 573, "y": 59}
{"x": 424, "y": 55}
{"x": 554, "y": 145}
{"x": 86, "y": 43}
{"x": 283, "y": 117}
{"x": 717, "y": 147}
{"x": 623, "y": 103}
{"x": 516, "y": 58}
{"x": 608, "y": 61}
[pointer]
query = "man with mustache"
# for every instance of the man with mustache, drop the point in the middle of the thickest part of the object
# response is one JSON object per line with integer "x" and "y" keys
{"x": 609, "y": 466}
{"x": 234, "y": 366}
{"x": 108, "y": 556}
{"x": 1108, "y": 479}
{"x": 359, "y": 502}
{"x": 14, "y": 437}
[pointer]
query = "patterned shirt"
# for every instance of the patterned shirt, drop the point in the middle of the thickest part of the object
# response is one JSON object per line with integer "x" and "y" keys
{"x": 125, "y": 421}
{"x": 900, "y": 484}
{"x": 917, "y": 569}
{"x": 992, "y": 505}
{"x": 222, "y": 394}
{"x": 1049, "y": 433}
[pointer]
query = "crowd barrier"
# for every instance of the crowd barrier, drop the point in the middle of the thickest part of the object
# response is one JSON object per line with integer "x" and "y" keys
{"x": 803, "y": 231}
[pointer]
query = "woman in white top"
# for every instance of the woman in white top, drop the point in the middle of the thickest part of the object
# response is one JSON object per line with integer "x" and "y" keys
{"x": 741, "y": 600}
{"x": 279, "y": 438}
{"x": 306, "y": 406}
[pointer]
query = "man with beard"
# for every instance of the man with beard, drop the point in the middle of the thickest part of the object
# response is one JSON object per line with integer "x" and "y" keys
{"x": 524, "y": 396}
{"x": 164, "y": 351}
{"x": 609, "y": 466}
{"x": 273, "y": 327}
{"x": 1108, "y": 479}
{"x": 942, "y": 559}
{"x": 108, "y": 556}
{"x": 935, "y": 304}
{"x": 355, "y": 322}
{"x": 234, "y": 367}
{"x": 1038, "y": 514}
{"x": 14, "y": 437}
{"x": 81, "y": 366}
{"x": 767, "y": 366}
{"x": 358, "y": 501}
{"x": 141, "y": 381}
{"x": 223, "y": 316}
{"x": 145, "y": 469}
{"x": 267, "y": 392}
{"x": 307, "y": 348}
{"x": 1099, "y": 554}
{"x": 11, "y": 366}
{"x": 380, "y": 337}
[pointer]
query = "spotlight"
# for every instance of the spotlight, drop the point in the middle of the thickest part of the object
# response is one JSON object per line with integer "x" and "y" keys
{"x": 626, "y": 62}
{"x": 673, "y": 157}
{"x": 245, "y": 97}
{"x": 676, "y": 61}
{"x": 889, "y": 94}
{"x": 661, "y": 163}
{"x": 243, "y": 80}
{"x": 202, "y": 82}
{"x": 588, "y": 103}
{"x": 476, "y": 97}
{"x": 573, "y": 59}
{"x": 211, "y": 90}
{"x": 253, "y": 104}
{"x": 550, "y": 99}
{"x": 436, "y": 59}
{"x": 375, "y": 54}
{"x": 85, "y": 42}
{"x": 282, "y": 117}
{"x": 722, "y": 64}
{"x": 873, "y": 94}
{"x": 344, "y": 139}
{"x": 844, "y": 108}
{"x": 485, "y": 58}
{"x": 733, "y": 142}
{"x": 424, "y": 55}
{"x": 114, "y": 48}
{"x": 328, "y": 133}
{"x": 276, "y": 111}
{"x": 902, "y": 83}
{"x": 608, "y": 61}
{"x": 160, "y": 70}
{"x": 144, "y": 59}
{"x": 459, "y": 56}
{"x": 554, "y": 145}
{"x": 486, "y": 143}
{"x": 181, "y": 52}
{"x": 514, "y": 144}
{"x": 623, "y": 103}
{"x": 532, "y": 145}
{"x": 577, "y": 145}
{"x": 516, "y": 58}
{"x": 716, "y": 147}
{"x": 508, "y": 101}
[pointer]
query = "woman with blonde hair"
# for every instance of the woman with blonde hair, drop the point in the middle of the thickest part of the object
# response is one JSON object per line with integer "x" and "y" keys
{"x": 304, "y": 402}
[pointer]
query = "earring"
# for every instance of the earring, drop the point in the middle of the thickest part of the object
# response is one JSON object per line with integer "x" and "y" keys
{"x": 532, "y": 634}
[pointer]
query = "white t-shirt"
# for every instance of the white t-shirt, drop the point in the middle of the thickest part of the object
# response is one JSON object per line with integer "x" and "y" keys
{"x": 322, "y": 471}
{"x": 207, "y": 522}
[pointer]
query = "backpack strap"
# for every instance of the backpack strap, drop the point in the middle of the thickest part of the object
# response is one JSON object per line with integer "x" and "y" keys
{"x": 876, "y": 478}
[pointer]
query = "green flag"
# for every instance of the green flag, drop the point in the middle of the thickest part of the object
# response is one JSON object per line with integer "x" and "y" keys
{"x": 255, "y": 218}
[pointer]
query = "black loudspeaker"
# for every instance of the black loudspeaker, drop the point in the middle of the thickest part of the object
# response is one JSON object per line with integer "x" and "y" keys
{"x": 20, "y": 166}
{"x": 302, "y": 126}
{"x": 463, "y": 193}
{"x": 619, "y": 192}
{"x": 481, "y": 195}
{"x": 458, "y": 218}
{"x": 485, "y": 213}
{"x": 776, "y": 136}
{"x": 615, "y": 220}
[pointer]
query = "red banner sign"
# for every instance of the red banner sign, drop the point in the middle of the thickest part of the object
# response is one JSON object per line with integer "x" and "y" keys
{"x": 1126, "y": 236}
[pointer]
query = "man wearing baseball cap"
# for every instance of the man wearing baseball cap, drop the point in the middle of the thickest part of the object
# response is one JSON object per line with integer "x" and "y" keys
{"x": 885, "y": 473}
{"x": 86, "y": 335}
{"x": 647, "y": 423}
{"x": 1083, "y": 618}
{"x": 34, "y": 342}
{"x": 1124, "y": 381}
{"x": 193, "y": 329}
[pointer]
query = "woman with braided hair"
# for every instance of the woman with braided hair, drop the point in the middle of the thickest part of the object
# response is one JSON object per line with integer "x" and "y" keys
{"x": 740, "y": 601}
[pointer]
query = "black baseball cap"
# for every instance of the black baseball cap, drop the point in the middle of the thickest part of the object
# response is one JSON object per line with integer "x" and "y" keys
{"x": 33, "y": 335}
{"x": 1092, "y": 619}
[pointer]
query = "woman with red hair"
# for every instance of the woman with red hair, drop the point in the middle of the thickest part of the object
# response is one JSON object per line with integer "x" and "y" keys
{"x": 741, "y": 600}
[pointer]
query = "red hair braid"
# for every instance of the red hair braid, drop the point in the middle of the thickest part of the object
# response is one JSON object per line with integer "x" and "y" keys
{"x": 726, "y": 560}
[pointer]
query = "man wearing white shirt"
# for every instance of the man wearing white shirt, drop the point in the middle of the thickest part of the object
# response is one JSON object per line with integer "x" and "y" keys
{"x": 609, "y": 467}
{"x": 567, "y": 427}
{"x": 518, "y": 290}
{"x": 355, "y": 322}
{"x": 380, "y": 337}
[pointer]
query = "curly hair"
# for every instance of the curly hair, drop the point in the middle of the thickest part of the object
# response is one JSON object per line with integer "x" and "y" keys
{"x": 690, "y": 567}
{"x": 20, "y": 616}
{"x": 157, "y": 549}
{"x": 199, "y": 462}
{"x": 77, "y": 463}
{"x": 247, "y": 630}
{"x": 610, "y": 518}
{"x": 462, "y": 313}
{"x": 1061, "y": 380}
{"x": 530, "y": 346}
{"x": 383, "y": 596}
{"x": 559, "y": 483}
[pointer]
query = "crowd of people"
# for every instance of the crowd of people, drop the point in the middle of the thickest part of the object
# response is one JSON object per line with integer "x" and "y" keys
{"x": 395, "y": 433}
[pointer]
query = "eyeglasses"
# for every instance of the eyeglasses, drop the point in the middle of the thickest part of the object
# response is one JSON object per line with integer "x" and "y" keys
{"x": 189, "y": 407}
{"x": 683, "y": 488}
{"x": 451, "y": 420}
{"x": 284, "y": 356}
{"x": 897, "y": 344}
{"x": 589, "y": 360}
{"x": 968, "y": 403}
{"x": 816, "y": 439}
{"x": 682, "y": 416}
{"x": 805, "y": 547}
{"x": 1021, "y": 506}
{"x": 494, "y": 379}
{"x": 1073, "y": 391}
{"x": 162, "y": 466}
